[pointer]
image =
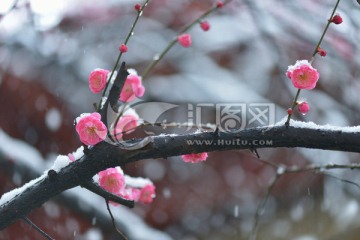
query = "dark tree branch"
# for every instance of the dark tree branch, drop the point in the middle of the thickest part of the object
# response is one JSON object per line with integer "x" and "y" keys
{"x": 108, "y": 196}
{"x": 105, "y": 155}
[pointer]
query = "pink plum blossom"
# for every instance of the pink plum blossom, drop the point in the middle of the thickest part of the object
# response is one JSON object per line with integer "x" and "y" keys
{"x": 123, "y": 48}
{"x": 126, "y": 124}
{"x": 219, "y": 4}
{"x": 337, "y": 19}
{"x": 205, "y": 26}
{"x": 303, "y": 75}
{"x": 137, "y": 7}
{"x": 147, "y": 194}
{"x": 303, "y": 107}
{"x": 112, "y": 180}
{"x": 132, "y": 88}
{"x": 195, "y": 157}
{"x": 184, "y": 40}
{"x": 90, "y": 128}
{"x": 71, "y": 157}
{"x": 321, "y": 52}
{"x": 97, "y": 80}
{"x": 131, "y": 193}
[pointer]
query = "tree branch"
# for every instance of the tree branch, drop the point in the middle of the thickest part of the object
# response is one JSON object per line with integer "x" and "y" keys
{"x": 105, "y": 155}
{"x": 108, "y": 196}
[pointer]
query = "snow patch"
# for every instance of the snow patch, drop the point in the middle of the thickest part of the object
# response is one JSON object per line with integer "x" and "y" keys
{"x": 138, "y": 182}
{"x": 13, "y": 193}
{"x": 60, "y": 162}
{"x": 312, "y": 125}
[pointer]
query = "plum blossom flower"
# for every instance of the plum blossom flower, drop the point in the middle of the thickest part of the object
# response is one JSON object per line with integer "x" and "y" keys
{"x": 337, "y": 19}
{"x": 126, "y": 124}
{"x": 112, "y": 180}
{"x": 90, "y": 128}
{"x": 205, "y": 26}
{"x": 97, "y": 80}
{"x": 123, "y": 48}
{"x": 321, "y": 52}
{"x": 184, "y": 40}
{"x": 303, "y": 107}
{"x": 303, "y": 75}
{"x": 130, "y": 193}
{"x": 195, "y": 157}
{"x": 219, "y": 4}
{"x": 147, "y": 194}
{"x": 137, "y": 7}
{"x": 132, "y": 88}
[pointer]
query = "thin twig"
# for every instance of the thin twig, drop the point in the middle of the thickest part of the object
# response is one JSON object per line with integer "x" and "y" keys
{"x": 312, "y": 59}
{"x": 131, "y": 32}
{"x": 342, "y": 179}
{"x": 95, "y": 188}
{"x": 27, "y": 220}
{"x": 113, "y": 221}
{"x": 173, "y": 41}
{"x": 261, "y": 207}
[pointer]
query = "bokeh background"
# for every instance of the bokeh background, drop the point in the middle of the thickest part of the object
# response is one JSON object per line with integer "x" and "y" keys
{"x": 48, "y": 49}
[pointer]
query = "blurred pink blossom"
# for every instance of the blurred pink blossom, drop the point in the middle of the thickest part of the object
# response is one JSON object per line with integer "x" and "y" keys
{"x": 147, "y": 194}
{"x": 130, "y": 193}
{"x": 184, "y": 40}
{"x": 97, "y": 80}
{"x": 195, "y": 157}
{"x": 205, "y": 25}
{"x": 112, "y": 180}
{"x": 126, "y": 124}
{"x": 303, "y": 107}
{"x": 132, "y": 88}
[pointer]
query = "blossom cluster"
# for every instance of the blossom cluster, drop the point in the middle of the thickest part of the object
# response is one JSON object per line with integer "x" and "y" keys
{"x": 114, "y": 181}
{"x": 133, "y": 86}
{"x": 305, "y": 76}
{"x": 92, "y": 130}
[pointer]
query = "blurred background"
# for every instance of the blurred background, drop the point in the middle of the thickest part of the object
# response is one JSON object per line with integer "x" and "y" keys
{"x": 49, "y": 48}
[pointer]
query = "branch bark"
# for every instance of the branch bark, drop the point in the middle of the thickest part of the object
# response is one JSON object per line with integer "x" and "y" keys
{"x": 105, "y": 155}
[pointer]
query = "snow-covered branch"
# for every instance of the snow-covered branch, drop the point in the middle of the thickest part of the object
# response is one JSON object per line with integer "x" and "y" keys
{"x": 16, "y": 204}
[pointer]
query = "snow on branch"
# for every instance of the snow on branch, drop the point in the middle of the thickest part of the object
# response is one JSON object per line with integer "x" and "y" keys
{"x": 104, "y": 155}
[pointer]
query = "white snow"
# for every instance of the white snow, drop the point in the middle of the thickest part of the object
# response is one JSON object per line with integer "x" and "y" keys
{"x": 25, "y": 154}
{"x": 113, "y": 77}
{"x": 93, "y": 234}
{"x": 137, "y": 182}
{"x": 60, "y": 162}
{"x": 281, "y": 170}
{"x": 103, "y": 101}
{"x": 82, "y": 116}
{"x": 79, "y": 153}
{"x": 312, "y": 125}
{"x": 13, "y": 193}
